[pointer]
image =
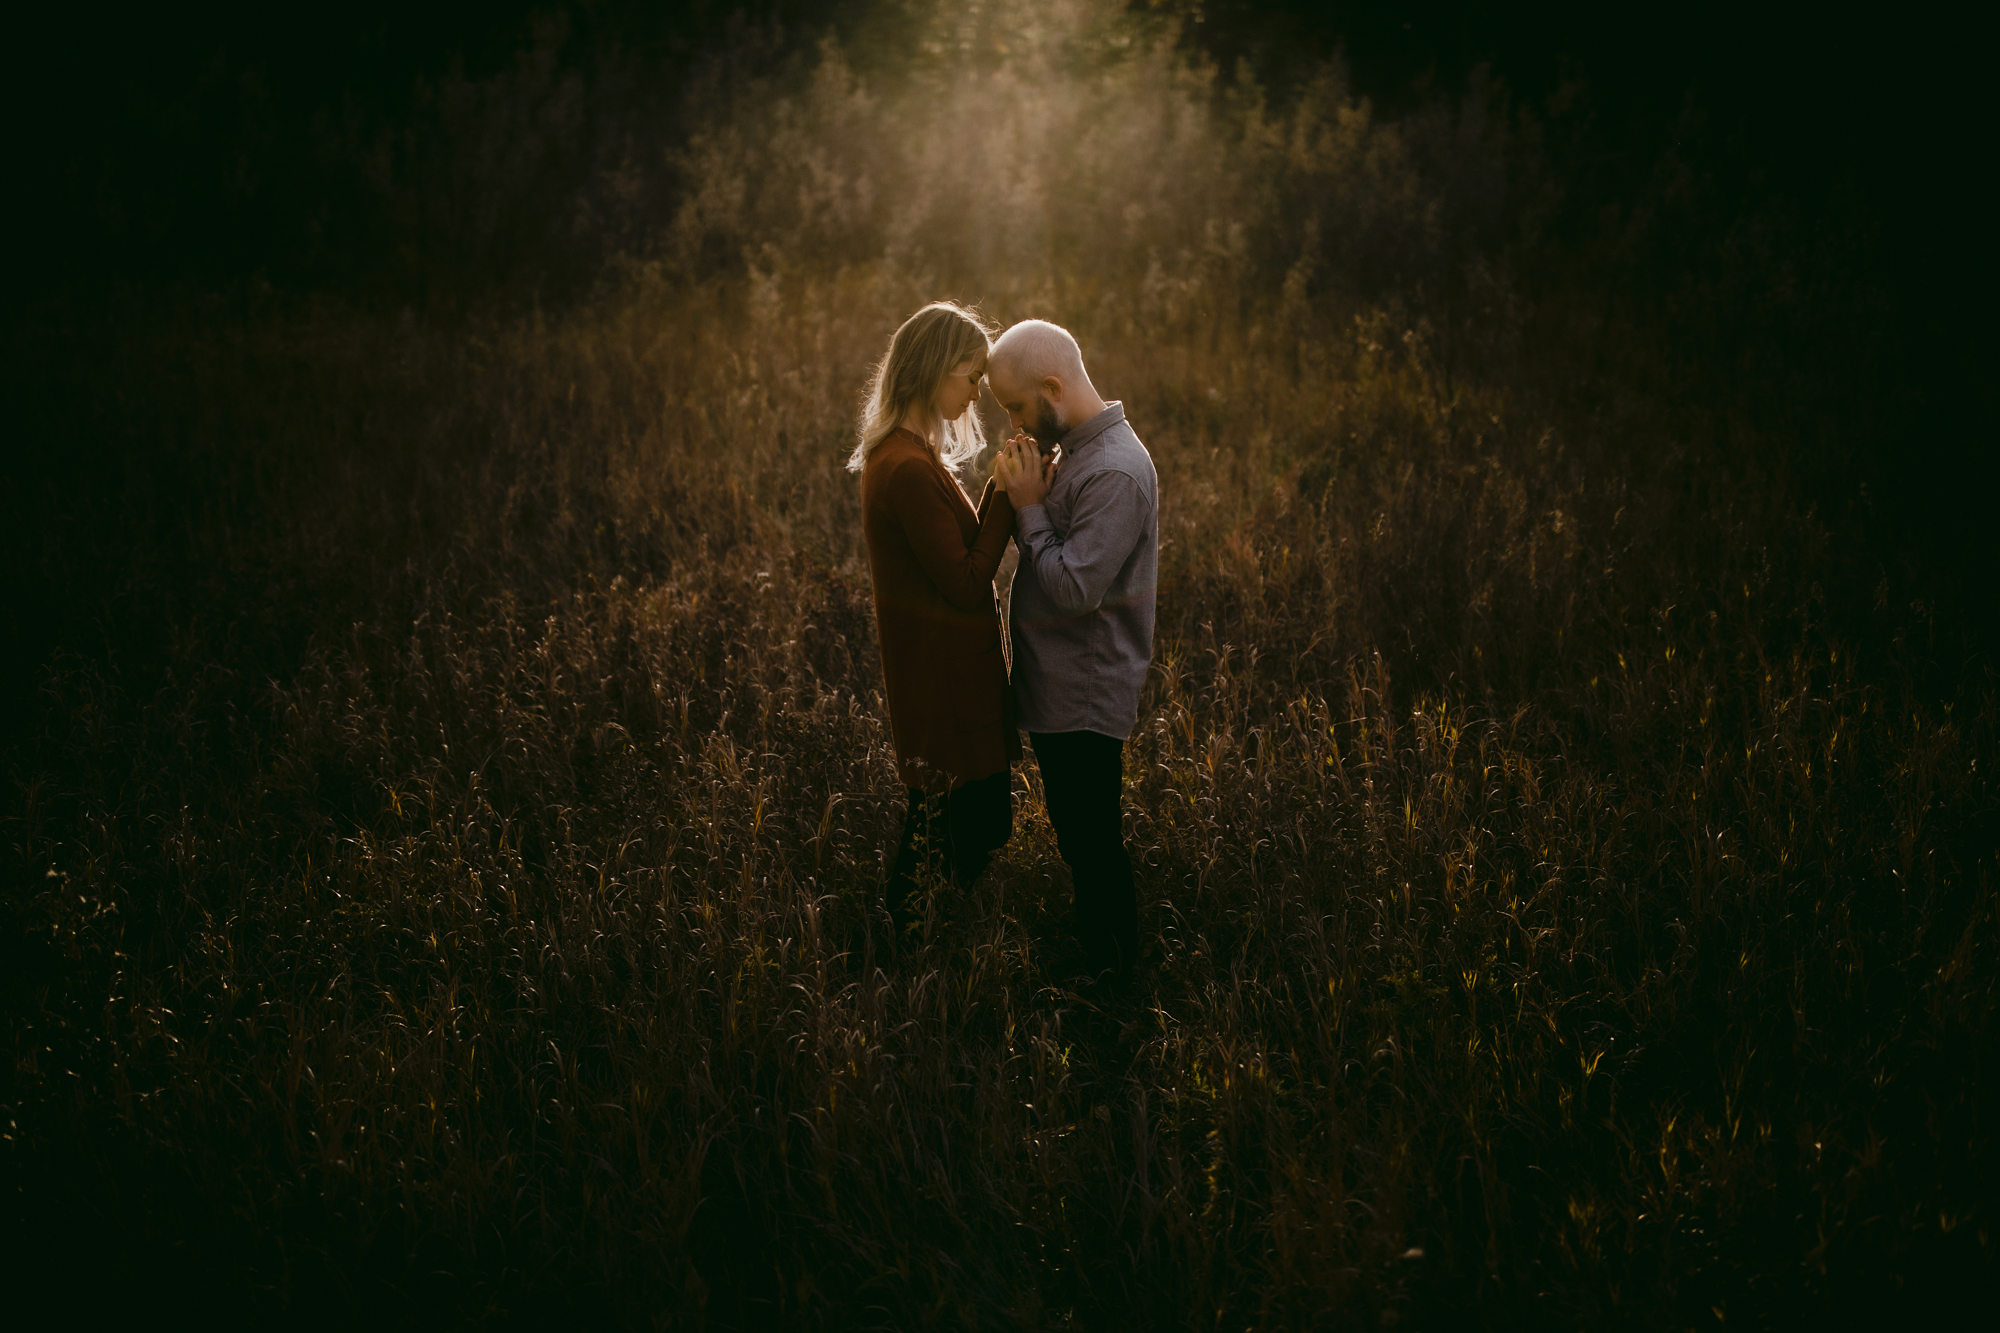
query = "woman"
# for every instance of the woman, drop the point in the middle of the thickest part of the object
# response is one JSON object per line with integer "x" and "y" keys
{"x": 932, "y": 554}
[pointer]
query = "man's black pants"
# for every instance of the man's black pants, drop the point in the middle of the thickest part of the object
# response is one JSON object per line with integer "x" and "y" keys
{"x": 951, "y": 834}
{"x": 1083, "y": 776}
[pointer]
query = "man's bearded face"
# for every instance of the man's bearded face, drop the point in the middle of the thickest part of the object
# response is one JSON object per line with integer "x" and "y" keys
{"x": 1045, "y": 425}
{"x": 1027, "y": 406}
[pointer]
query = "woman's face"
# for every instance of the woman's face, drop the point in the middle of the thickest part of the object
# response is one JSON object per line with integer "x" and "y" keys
{"x": 960, "y": 388}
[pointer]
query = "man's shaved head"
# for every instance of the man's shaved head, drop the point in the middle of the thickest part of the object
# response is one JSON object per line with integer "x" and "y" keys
{"x": 1035, "y": 349}
{"x": 1036, "y": 374}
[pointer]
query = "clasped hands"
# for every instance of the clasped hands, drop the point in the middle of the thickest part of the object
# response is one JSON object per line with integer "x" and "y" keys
{"x": 1021, "y": 470}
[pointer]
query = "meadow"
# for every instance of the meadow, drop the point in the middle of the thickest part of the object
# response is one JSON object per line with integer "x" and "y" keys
{"x": 445, "y": 835}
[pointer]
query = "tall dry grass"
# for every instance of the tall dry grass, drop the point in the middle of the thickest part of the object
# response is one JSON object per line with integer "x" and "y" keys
{"x": 451, "y": 894}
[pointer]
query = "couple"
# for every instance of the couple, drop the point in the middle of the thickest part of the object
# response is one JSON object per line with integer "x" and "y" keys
{"x": 1086, "y": 523}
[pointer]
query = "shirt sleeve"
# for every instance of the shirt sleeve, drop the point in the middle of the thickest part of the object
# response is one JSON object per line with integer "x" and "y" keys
{"x": 1075, "y": 570}
{"x": 962, "y": 574}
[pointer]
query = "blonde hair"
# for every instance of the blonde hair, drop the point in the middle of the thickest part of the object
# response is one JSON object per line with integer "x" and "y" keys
{"x": 930, "y": 344}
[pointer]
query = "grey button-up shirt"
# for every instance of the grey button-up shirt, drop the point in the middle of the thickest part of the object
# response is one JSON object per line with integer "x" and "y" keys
{"x": 1081, "y": 609}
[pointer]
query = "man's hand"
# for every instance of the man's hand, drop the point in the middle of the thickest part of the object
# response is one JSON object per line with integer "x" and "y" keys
{"x": 1023, "y": 473}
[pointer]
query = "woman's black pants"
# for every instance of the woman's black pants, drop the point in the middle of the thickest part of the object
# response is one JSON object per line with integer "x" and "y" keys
{"x": 950, "y": 834}
{"x": 1083, "y": 776}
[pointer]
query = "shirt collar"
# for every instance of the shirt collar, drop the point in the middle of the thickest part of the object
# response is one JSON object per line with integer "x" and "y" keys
{"x": 1083, "y": 432}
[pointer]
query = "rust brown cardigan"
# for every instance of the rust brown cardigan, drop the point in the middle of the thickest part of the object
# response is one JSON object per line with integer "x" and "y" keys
{"x": 933, "y": 557}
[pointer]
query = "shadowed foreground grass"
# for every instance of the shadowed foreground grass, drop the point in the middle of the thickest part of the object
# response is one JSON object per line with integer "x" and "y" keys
{"x": 469, "y": 910}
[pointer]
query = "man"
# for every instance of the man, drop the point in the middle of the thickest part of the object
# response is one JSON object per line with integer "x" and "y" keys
{"x": 1088, "y": 530}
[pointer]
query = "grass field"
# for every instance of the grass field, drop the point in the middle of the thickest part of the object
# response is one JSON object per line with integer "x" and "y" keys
{"x": 446, "y": 834}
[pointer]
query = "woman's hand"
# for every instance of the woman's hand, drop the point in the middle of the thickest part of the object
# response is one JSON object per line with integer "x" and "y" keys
{"x": 1000, "y": 465}
{"x": 1029, "y": 475}
{"x": 1003, "y": 459}
{"x": 1007, "y": 465}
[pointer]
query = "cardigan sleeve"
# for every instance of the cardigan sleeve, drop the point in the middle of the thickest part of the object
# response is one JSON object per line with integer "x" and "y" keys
{"x": 962, "y": 574}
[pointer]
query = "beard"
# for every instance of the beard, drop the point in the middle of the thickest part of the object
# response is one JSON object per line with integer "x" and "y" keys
{"x": 1046, "y": 426}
